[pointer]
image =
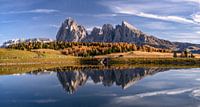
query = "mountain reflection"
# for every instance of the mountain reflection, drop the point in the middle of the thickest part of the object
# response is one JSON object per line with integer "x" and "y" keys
{"x": 71, "y": 80}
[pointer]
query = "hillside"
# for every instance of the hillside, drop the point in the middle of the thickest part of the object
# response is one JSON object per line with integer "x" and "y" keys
{"x": 18, "y": 57}
{"x": 86, "y": 49}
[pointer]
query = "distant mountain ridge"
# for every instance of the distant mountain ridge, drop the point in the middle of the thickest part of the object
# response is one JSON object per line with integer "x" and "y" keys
{"x": 70, "y": 31}
{"x": 16, "y": 41}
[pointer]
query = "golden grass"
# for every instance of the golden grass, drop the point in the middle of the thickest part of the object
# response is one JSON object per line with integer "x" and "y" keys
{"x": 140, "y": 54}
{"x": 14, "y": 54}
{"x": 13, "y": 57}
{"x": 48, "y": 56}
{"x": 47, "y": 51}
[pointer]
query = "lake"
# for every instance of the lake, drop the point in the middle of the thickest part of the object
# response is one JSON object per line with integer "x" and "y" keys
{"x": 127, "y": 87}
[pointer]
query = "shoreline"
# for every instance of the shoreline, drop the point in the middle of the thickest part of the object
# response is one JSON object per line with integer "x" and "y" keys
{"x": 98, "y": 61}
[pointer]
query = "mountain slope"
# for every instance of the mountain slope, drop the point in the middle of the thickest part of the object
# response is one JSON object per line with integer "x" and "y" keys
{"x": 120, "y": 33}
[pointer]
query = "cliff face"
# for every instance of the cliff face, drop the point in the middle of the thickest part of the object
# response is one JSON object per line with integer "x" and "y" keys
{"x": 70, "y": 31}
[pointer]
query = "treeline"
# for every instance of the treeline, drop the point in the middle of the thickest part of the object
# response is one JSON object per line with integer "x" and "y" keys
{"x": 86, "y": 49}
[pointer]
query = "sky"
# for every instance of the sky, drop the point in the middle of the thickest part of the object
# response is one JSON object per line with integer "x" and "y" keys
{"x": 175, "y": 20}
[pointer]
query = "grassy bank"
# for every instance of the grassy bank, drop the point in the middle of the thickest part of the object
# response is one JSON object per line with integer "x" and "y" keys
{"x": 46, "y": 56}
{"x": 20, "y": 69}
{"x": 18, "y": 57}
{"x": 157, "y": 61}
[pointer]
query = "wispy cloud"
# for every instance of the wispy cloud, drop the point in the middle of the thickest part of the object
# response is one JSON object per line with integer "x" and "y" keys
{"x": 131, "y": 11}
{"x": 170, "y": 12}
{"x": 176, "y": 36}
{"x": 194, "y": 1}
{"x": 43, "y": 11}
{"x": 128, "y": 100}
{"x": 54, "y": 26}
{"x": 196, "y": 17}
{"x": 158, "y": 26}
{"x": 197, "y": 1}
{"x": 7, "y": 21}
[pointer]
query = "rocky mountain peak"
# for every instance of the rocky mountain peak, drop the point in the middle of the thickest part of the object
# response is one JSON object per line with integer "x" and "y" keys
{"x": 69, "y": 21}
{"x": 127, "y": 25}
{"x": 107, "y": 29}
{"x": 70, "y": 31}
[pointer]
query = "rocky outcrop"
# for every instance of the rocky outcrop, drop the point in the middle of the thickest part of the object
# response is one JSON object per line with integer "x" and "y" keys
{"x": 125, "y": 33}
{"x": 70, "y": 31}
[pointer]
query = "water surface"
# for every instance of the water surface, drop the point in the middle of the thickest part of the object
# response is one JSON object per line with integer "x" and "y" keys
{"x": 131, "y": 87}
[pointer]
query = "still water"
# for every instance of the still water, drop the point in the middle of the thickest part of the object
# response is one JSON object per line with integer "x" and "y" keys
{"x": 132, "y": 87}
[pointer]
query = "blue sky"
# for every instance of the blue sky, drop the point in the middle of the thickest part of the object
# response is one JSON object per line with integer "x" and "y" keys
{"x": 175, "y": 20}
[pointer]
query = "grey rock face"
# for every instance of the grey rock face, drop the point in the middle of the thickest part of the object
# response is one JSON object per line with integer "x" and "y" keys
{"x": 95, "y": 36}
{"x": 70, "y": 31}
{"x": 128, "y": 33}
{"x": 107, "y": 33}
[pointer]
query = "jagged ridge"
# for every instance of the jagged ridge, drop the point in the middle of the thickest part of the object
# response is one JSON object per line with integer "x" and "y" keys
{"x": 70, "y": 31}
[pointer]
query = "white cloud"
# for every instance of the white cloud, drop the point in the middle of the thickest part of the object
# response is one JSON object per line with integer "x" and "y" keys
{"x": 165, "y": 92}
{"x": 173, "y": 10}
{"x": 158, "y": 26}
{"x": 54, "y": 26}
{"x": 131, "y": 11}
{"x": 193, "y": 1}
{"x": 105, "y": 15}
{"x": 90, "y": 28}
{"x": 196, "y": 17}
{"x": 44, "y": 11}
{"x": 187, "y": 35}
{"x": 195, "y": 92}
{"x": 140, "y": 99}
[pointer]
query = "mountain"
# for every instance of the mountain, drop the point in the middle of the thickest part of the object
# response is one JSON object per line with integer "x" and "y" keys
{"x": 70, "y": 31}
{"x": 16, "y": 41}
